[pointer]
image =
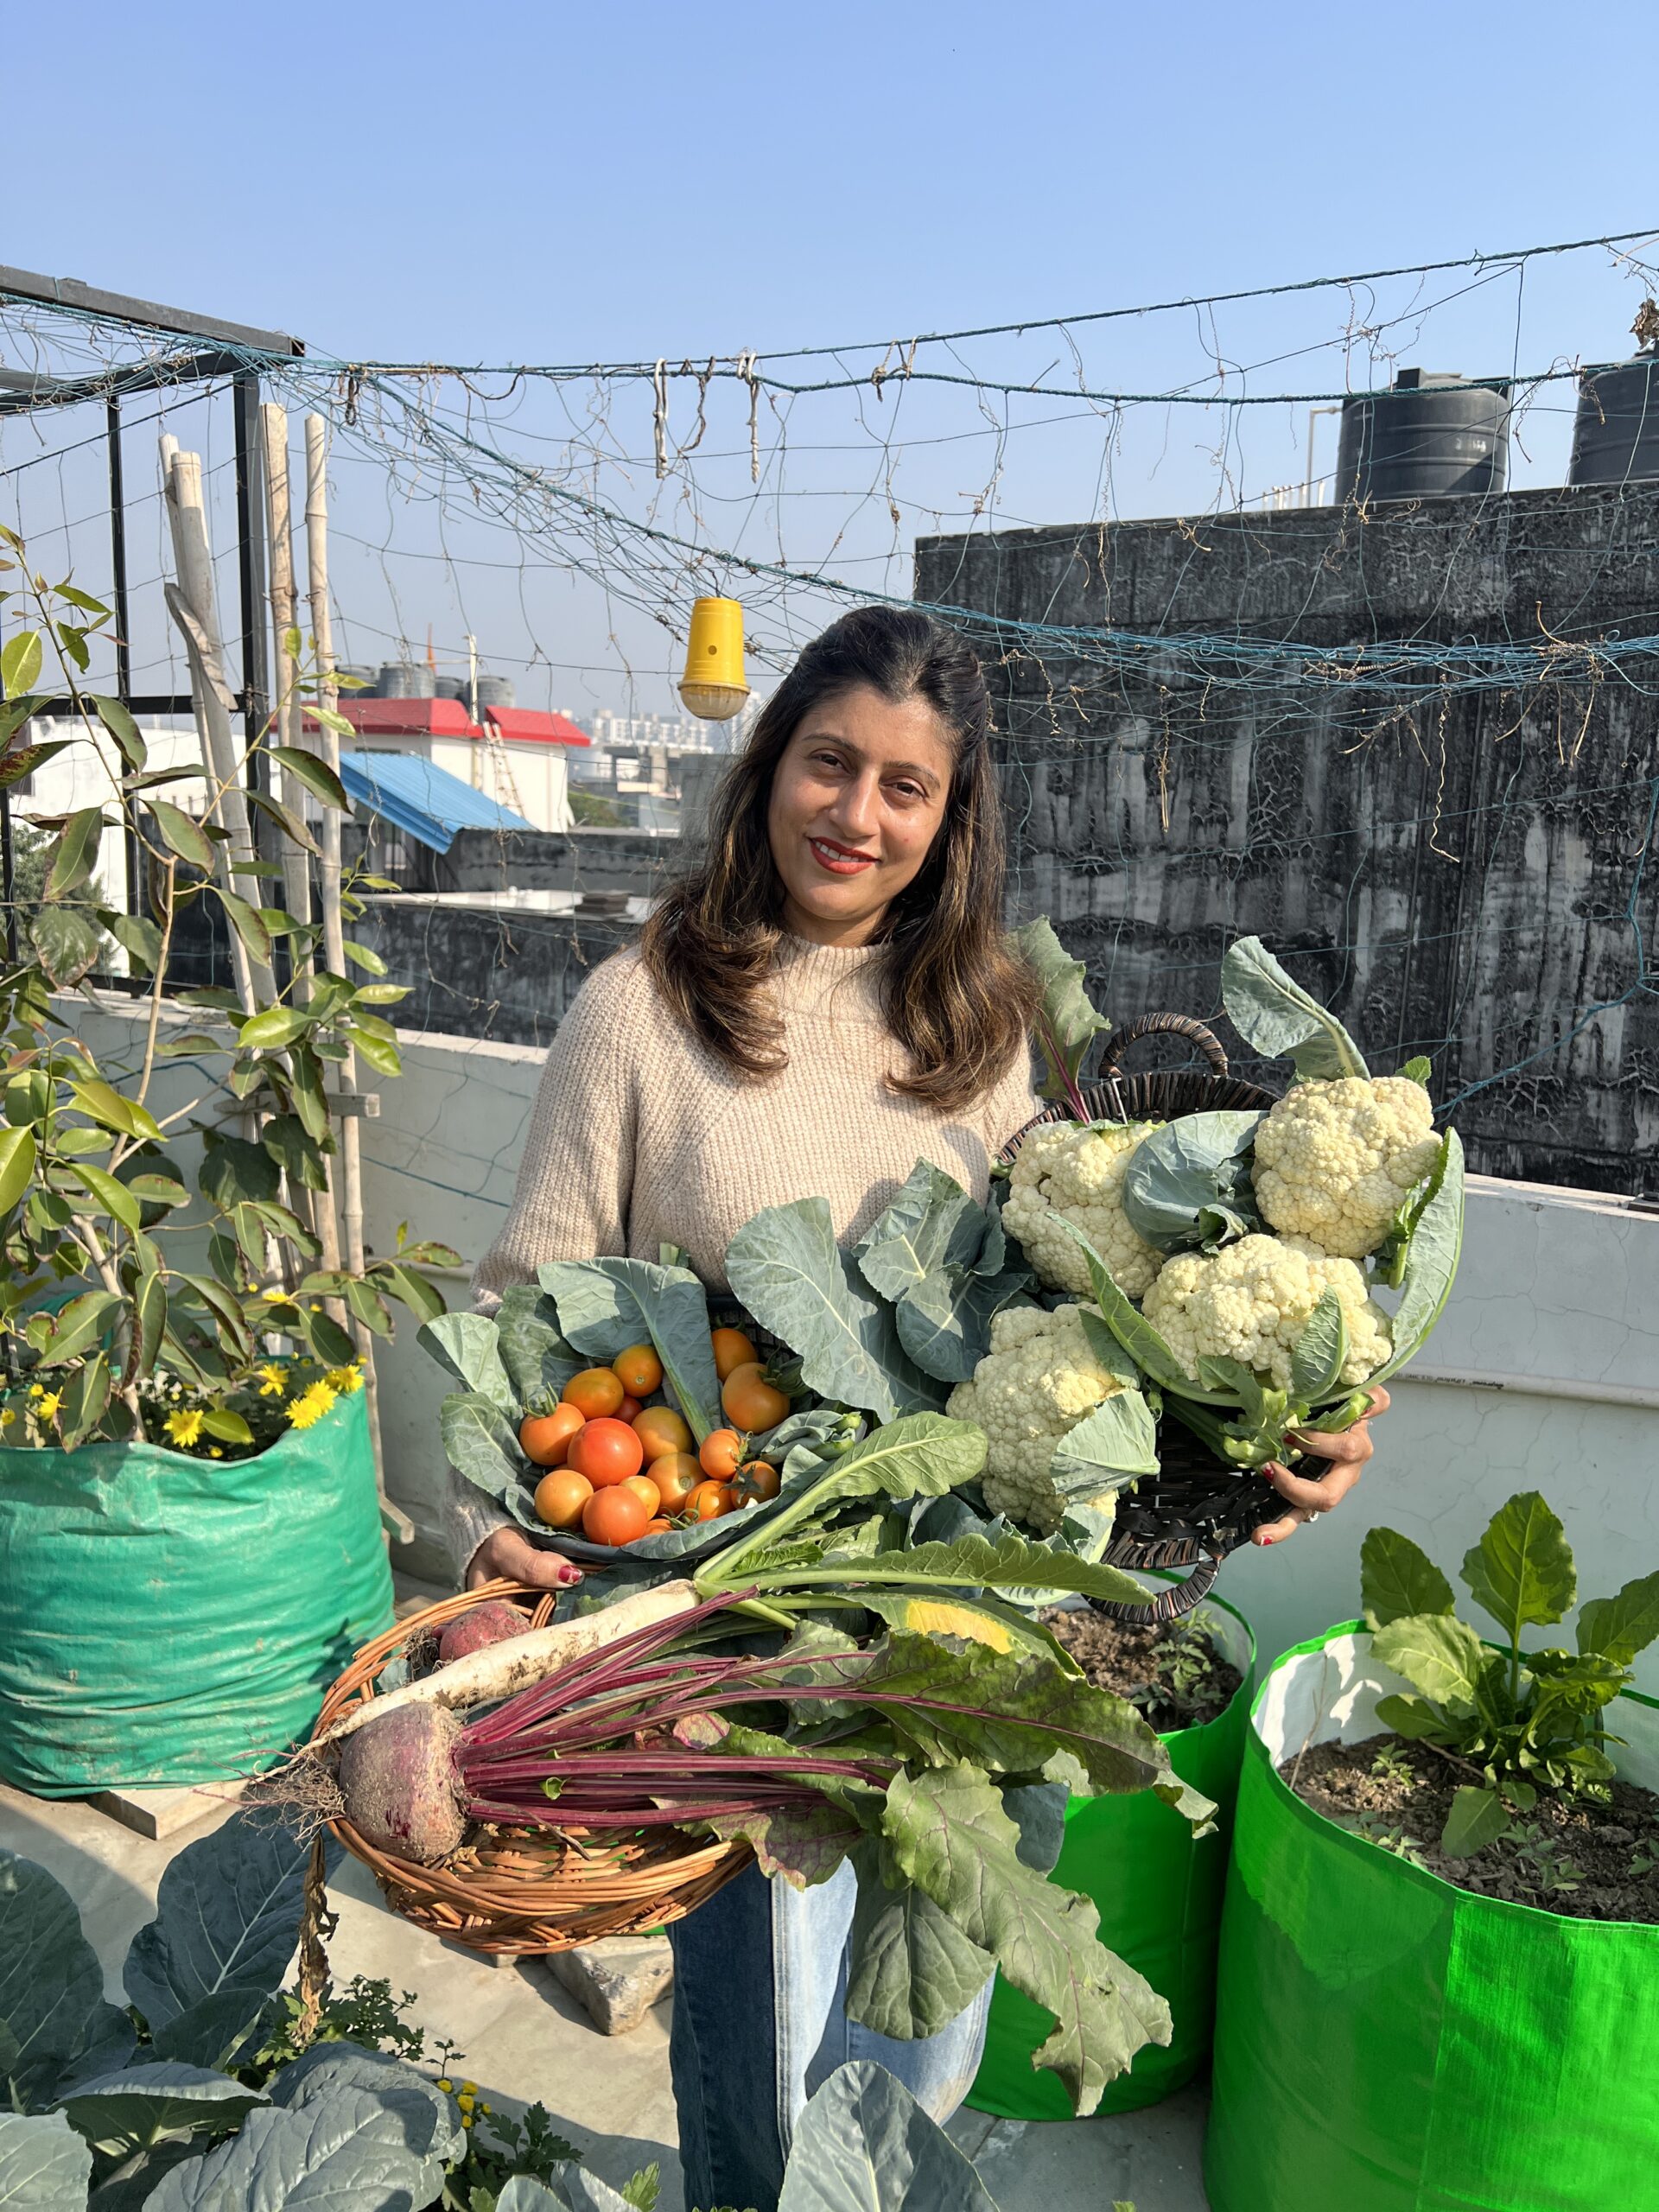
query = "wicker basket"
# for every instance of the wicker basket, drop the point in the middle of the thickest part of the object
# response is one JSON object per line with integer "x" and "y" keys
{"x": 517, "y": 1891}
{"x": 1195, "y": 1509}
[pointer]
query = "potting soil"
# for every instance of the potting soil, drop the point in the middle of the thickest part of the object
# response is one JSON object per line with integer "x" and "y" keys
{"x": 1172, "y": 1671}
{"x": 1596, "y": 1862}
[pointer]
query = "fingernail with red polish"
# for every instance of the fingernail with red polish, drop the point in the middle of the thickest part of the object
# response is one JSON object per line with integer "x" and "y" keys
{"x": 569, "y": 1574}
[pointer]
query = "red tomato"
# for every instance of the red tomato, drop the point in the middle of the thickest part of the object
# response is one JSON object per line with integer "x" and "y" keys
{"x": 546, "y": 1437}
{"x": 639, "y": 1370}
{"x": 731, "y": 1349}
{"x": 721, "y": 1453}
{"x": 662, "y": 1430}
{"x": 616, "y": 1515}
{"x": 607, "y": 1452}
{"x": 596, "y": 1393}
{"x": 710, "y": 1501}
{"x": 628, "y": 1410}
{"x": 748, "y": 1400}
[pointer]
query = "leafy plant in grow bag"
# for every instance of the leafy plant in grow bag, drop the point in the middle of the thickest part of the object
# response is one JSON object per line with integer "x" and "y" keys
{"x": 89, "y": 1194}
{"x": 1517, "y": 1722}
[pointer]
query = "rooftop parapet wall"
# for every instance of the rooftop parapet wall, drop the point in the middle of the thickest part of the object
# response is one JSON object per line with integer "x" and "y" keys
{"x": 1457, "y": 835}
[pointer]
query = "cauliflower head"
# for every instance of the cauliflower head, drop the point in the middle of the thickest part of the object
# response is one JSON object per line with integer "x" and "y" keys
{"x": 1039, "y": 1378}
{"x": 1335, "y": 1161}
{"x": 1252, "y": 1299}
{"x": 1063, "y": 1168}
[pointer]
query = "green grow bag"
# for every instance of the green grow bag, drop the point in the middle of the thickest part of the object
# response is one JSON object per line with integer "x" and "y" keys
{"x": 1160, "y": 1896}
{"x": 1386, "y": 2043}
{"x": 167, "y": 1620}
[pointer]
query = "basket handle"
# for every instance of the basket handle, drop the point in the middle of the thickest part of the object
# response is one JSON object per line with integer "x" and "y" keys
{"x": 1176, "y": 1025}
{"x": 1171, "y": 1603}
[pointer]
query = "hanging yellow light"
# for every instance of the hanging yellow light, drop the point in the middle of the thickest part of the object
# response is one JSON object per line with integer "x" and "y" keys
{"x": 713, "y": 686}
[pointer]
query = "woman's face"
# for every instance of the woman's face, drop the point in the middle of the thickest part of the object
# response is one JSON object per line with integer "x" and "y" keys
{"x": 856, "y": 801}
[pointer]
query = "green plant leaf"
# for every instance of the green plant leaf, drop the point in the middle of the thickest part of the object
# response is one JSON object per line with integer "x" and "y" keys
{"x": 863, "y": 2143}
{"x": 1521, "y": 1570}
{"x": 911, "y": 1969}
{"x": 1275, "y": 1015}
{"x": 79, "y": 1325}
{"x": 1431, "y": 1261}
{"x": 121, "y": 2112}
{"x": 300, "y": 1158}
{"x": 1398, "y": 1579}
{"x": 1067, "y": 1023}
{"x": 74, "y": 854}
{"x": 317, "y": 775}
{"x": 383, "y": 1057}
{"x": 1438, "y": 1653}
{"x": 54, "y": 2024}
{"x": 275, "y": 1026}
{"x": 27, "y": 758}
{"x": 1417, "y": 1070}
{"x": 603, "y": 1306}
{"x": 1317, "y": 1355}
{"x": 229, "y": 1428}
{"x": 125, "y": 1115}
{"x": 948, "y": 1834}
{"x": 85, "y": 1400}
{"x": 18, "y": 1155}
{"x": 364, "y": 957}
{"x": 482, "y": 1446}
{"x": 537, "y": 1360}
{"x": 352, "y": 2148}
{"x": 182, "y": 833}
{"x": 967, "y": 1563}
{"x": 931, "y": 1223}
{"x": 328, "y": 2067}
{"x": 226, "y": 1917}
{"x": 115, "y": 1199}
{"x": 1617, "y": 1628}
{"x": 786, "y": 1269}
{"x": 1415, "y": 1719}
{"x": 1143, "y": 1342}
{"x": 20, "y": 662}
{"x": 118, "y": 722}
{"x": 67, "y": 943}
{"x": 469, "y": 1345}
{"x": 1105, "y": 1452}
{"x": 1187, "y": 1185}
{"x": 286, "y": 820}
{"x": 234, "y": 1170}
{"x": 1477, "y": 1817}
{"x": 424, "y": 1298}
{"x": 44, "y": 2165}
{"x": 944, "y": 1321}
{"x": 245, "y": 920}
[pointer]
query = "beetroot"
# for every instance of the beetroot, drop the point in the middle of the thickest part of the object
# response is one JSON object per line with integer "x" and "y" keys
{"x": 401, "y": 1786}
{"x": 493, "y": 1622}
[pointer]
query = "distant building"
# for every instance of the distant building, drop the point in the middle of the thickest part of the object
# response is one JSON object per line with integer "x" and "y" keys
{"x": 639, "y": 733}
{"x": 517, "y": 756}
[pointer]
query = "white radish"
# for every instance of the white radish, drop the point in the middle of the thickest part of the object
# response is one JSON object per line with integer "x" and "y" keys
{"x": 499, "y": 1670}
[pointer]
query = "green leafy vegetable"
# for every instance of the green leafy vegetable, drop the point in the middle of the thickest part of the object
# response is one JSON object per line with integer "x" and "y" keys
{"x": 1187, "y": 1186}
{"x": 1272, "y": 1014}
{"x": 1067, "y": 1023}
{"x": 605, "y": 1305}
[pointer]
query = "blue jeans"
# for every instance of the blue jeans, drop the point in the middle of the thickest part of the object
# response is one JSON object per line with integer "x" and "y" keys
{"x": 760, "y": 1981}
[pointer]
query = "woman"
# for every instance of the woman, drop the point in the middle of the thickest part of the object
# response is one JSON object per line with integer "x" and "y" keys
{"x": 828, "y": 998}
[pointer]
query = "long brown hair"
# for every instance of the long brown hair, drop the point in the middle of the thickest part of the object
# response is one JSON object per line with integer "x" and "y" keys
{"x": 955, "y": 995}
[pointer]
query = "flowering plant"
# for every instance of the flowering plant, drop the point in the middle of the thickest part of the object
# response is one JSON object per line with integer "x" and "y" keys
{"x": 182, "y": 1299}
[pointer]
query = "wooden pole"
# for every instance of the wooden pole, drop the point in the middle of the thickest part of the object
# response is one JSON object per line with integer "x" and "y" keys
{"x": 334, "y": 933}
{"x": 194, "y": 607}
{"x": 284, "y": 613}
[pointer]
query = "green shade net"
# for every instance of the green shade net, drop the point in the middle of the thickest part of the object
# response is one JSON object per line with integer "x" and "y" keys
{"x": 1385, "y": 2043}
{"x": 1159, "y": 1896}
{"x": 167, "y": 1620}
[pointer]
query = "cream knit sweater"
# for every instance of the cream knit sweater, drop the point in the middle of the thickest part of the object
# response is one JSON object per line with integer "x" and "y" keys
{"x": 639, "y": 1136}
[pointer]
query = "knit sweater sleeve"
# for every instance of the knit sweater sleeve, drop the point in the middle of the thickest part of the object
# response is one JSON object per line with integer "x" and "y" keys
{"x": 570, "y": 1200}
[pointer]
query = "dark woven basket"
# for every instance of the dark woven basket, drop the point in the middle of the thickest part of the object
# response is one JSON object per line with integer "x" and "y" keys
{"x": 1197, "y": 1509}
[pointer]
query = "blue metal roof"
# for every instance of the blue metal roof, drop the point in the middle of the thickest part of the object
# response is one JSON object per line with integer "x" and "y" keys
{"x": 424, "y": 802}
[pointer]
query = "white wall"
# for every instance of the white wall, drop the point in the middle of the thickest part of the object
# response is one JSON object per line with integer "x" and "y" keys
{"x": 1554, "y": 1320}
{"x": 85, "y": 775}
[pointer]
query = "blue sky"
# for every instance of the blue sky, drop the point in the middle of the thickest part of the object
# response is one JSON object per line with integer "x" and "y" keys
{"x": 558, "y": 184}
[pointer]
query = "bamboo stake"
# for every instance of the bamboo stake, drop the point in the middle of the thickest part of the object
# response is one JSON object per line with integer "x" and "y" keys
{"x": 333, "y": 934}
{"x": 194, "y": 607}
{"x": 296, "y": 873}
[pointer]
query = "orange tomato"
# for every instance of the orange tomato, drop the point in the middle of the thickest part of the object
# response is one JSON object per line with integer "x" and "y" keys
{"x": 659, "y": 1526}
{"x": 639, "y": 1370}
{"x": 675, "y": 1477}
{"x": 596, "y": 1393}
{"x": 757, "y": 1480}
{"x": 560, "y": 1498}
{"x": 546, "y": 1437}
{"x": 748, "y": 1400}
{"x": 616, "y": 1515}
{"x": 663, "y": 1431}
{"x": 710, "y": 1501}
{"x": 721, "y": 1453}
{"x": 646, "y": 1488}
{"x": 732, "y": 1349}
{"x": 607, "y": 1452}
{"x": 628, "y": 1411}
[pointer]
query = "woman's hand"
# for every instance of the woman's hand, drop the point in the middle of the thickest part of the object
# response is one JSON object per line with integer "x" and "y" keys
{"x": 1347, "y": 1450}
{"x": 508, "y": 1555}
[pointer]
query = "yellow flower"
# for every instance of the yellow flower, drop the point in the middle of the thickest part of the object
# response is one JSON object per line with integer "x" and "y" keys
{"x": 184, "y": 1429}
{"x": 47, "y": 1406}
{"x": 272, "y": 1381}
{"x": 311, "y": 1404}
{"x": 36, "y": 1389}
{"x": 6, "y": 1417}
{"x": 465, "y": 2102}
{"x": 444, "y": 2082}
{"x": 214, "y": 1451}
{"x": 274, "y": 1297}
{"x": 345, "y": 1380}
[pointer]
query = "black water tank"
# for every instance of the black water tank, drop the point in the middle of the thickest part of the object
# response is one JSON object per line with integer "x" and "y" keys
{"x": 1427, "y": 437}
{"x": 1616, "y": 436}
{"x": 494, "y": 691}
{"x": 406, "y": 679}
{"x": 450, "y": 687}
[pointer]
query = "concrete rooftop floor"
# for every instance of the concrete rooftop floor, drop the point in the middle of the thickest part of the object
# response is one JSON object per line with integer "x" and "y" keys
{"x": 522, "y": 2037}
